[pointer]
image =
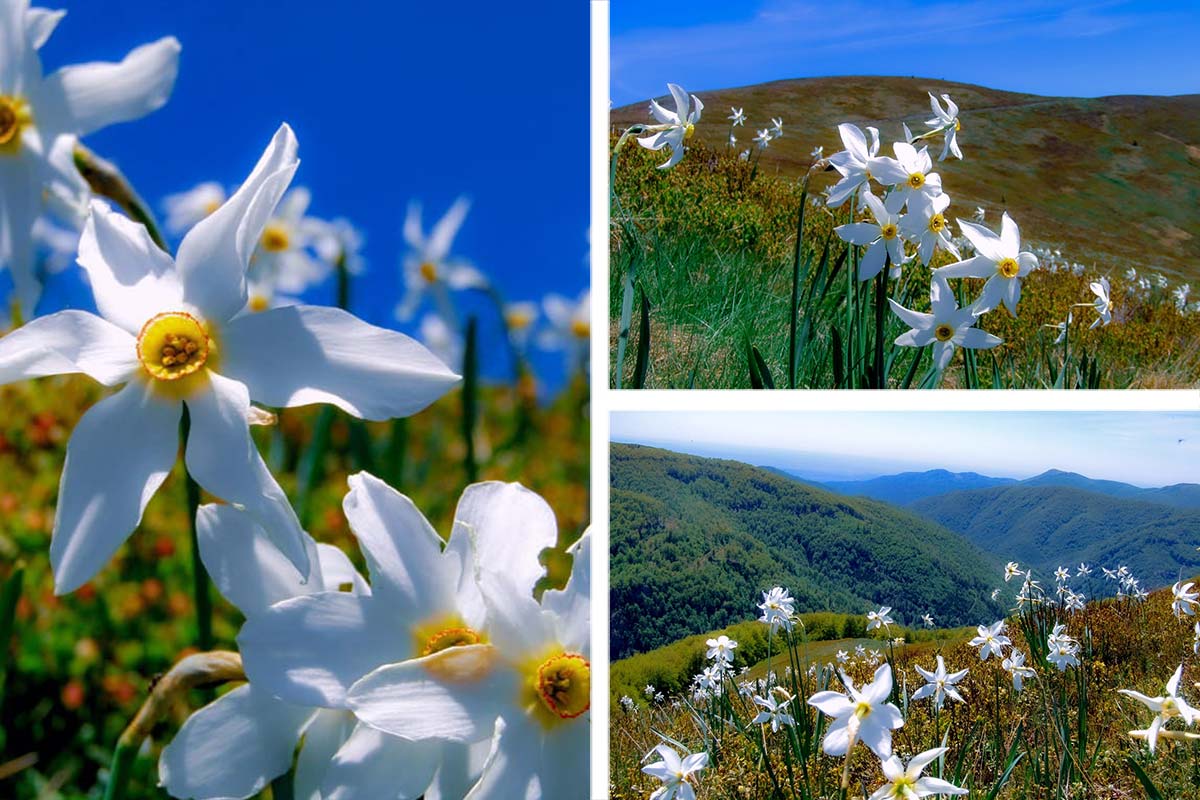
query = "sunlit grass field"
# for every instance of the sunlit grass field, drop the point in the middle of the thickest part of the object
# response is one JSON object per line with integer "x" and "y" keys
{"x": 712, "y": 242}
{"x": 77, "y": 667}
{"x": 1065, "y": 735}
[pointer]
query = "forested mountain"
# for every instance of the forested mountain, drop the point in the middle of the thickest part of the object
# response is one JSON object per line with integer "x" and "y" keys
{"x": 1048, "y": 526}
{"x": 907, "y": 487}
{"x": 1180, "y": 495}
{"x": 695, "y": 540}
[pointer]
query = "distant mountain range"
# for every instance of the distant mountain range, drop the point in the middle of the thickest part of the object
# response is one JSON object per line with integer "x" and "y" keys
{"x": 908, "y": 487}
{"x": 696, "y": 540}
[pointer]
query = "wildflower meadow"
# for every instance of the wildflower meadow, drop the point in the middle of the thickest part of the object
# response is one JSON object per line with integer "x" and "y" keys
{"x": 859, "y": 268}
{"x": 252, "y": 545}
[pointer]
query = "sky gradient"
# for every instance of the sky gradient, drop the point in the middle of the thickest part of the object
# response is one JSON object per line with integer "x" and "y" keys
{"x": 1049, "y": 48}
{"x": 389, "y": 102}
{"x": 1142, "y": 448}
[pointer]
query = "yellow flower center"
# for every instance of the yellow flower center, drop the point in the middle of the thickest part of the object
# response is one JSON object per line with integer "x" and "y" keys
{"x": 581, "y": 329}
{"x": 945, "y": 333}
{"x": 937, "y": 223}
{"x": 14, "y": 115}
{"x": 211, "y": 206}
{"x": 450, "y": 637}
{"x": 259, "y": 302}
{"x": 689, "y": 131}
{"x": 862, "y": 710}
{"x": 916, "y": 180}
{"x": 518, "y": 320}
{"x": 1008, "y": 267}
{"x": 564, "y": 684}
{"x": 173, "y": 345}
{"x": 888, "y": 231}
{"x": 275, "y": 238}
{"x": 904, "y": 787}
{"x": 1170, "y": 708}
{"x": 429, "y": 271}
{"x": 957, "y": 124}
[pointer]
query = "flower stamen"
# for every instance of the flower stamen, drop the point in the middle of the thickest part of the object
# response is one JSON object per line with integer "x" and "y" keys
{"x": 1008, "y": 267}
{"x": 916, "y": 180}
{"x": 275, "y": 239}
{"x": 564, "y": 684}
{"x": 14, "y": 115}
{"x": 429, "y": 271}
{"x": 173, "y": 345}
{"x": 944, "y": 332}
{"x": 450, "y": 637}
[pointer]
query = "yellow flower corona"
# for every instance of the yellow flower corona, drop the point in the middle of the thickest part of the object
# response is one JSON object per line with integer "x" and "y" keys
{"x": 937, "y": 223}
{"x": 916, "y": 180}
{"x": 275, "y": 239}
{"x": 581, "y": 329}
{"x": 944, "y": 332}
{"x": 14, "y": 116}
{"x": 563, "y": 684}
{"x": 450, "y": 637}
{"x": 889, "y": 231}
{"x": 173, "y": 345}
{"x": 1008, "y": 267}
{"x": 429, "y": 271}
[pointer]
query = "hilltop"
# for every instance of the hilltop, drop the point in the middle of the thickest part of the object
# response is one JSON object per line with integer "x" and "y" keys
{"x": 695, "y": 540}
{"x": 1112, "y": 181}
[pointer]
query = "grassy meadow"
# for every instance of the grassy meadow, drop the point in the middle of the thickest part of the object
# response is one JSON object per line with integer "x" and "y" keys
{"x": 77, "y": 667}
{"x": 731, "y": 301}
{"x": 1064, "y": 735}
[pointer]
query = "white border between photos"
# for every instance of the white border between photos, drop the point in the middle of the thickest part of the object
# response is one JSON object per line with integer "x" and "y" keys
{"x": 605, "y": 401}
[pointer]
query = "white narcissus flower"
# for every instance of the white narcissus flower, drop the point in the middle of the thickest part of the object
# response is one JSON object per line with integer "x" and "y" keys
{"x": 940, "y": 685}
{"x": 945, "y": 121}
{"x": 763, "y": 138}
{"x": 338, "y": 240}
{"x": 997, "y": 258}
{"x": 1062, "y": 574}
{"x": 1083, "y": 570}
{"x": 1185, "y": 600}
{"x": 1166, "y": 707}
{"x": 776, "y": 127}
{"x": 852, "y": 163}
{"x": 880, "y": 618}
{"x": 721, "y": 648}
{"x": 170, "y": 331}
{"x": 925, "y": 226}
{"x": 531, "y": 677}
{"x": 42, "y": 117}
{"x": 777, "y": 608}
{"x": 991, "y": 640}
{"x": 675, "y": 773}
{"x": 736, "y": 117}
{"x": 1011, "y": 570}
{"x": 1103, "y": 302}
{"x": 860, "y": 715}
{"x": 428, "y": 264}
{"x": 907, "y": 783}
{"x": 1014, "y": 664}
{"x": 185, "y": 209}
{"x": 674, "y": 127}
{"x": 945, "y": 328}
{"x": 570, "y": 323}
{"x": 881, "y": 237}
{"x": 520, "y": 318}
{"x": 284, "y": 259}
{"x": 773, "y": 713}
{"x": 928, "y": 620}
{"x": 910, "y": 172}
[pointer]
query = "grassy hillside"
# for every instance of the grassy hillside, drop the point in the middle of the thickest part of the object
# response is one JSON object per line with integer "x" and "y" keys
{"x": 695, "y": 540}
{"x": 1045, "y": 526}
{"x": 1111, "y": 180}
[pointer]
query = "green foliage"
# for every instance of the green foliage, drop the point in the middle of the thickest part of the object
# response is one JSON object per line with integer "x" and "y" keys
{"x": 695, "y": 541}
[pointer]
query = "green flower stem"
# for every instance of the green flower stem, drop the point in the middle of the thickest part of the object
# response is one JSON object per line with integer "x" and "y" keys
{"x": 200, "y": 581}
{"x": 8, "y": 612}
{"x": 627, "y": 282}
{"x": 107, "y": 181}
{"x": 201, "y": 669}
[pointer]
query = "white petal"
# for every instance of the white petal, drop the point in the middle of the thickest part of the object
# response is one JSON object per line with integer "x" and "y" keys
{"x": 215, "y": 254}
{"x": 223, "y": 459}
{"x": 403, "y": 551}
{"x": 837, "y": 738}
{"x": 322, "y": 738}
{"x": 572, "y": 605}
{"x": 310, "y": 650}
{"x": 441, "y": 238}
{"x": 509, "y": 526}
{"x": 979, "y": 340}
{"x": 455, "y": 694}
{"x": 986, "y": 243}
{"x": 937, "y": 786}
{"x": 232, "y": 747}
{"x": 67, "y": 342}
{"x": 860, "y": 233}
{"x": 914, "y": 319}
{"x": 132, "y": 279}
{"x": 513, "y": 760}
{"x": 20, "y": 204}
{"x": 372, "y": 764}
{"x": 300, "y": 355}
{"x": 337, "y": 570}
{"x": 1010, "y": 236}
{"x": 460, "y": 767}
{"x": 245, "y": 564}
{"x": 974, "y": 267}
{"x": 834, "y": 704}
{"x": 119, "y": 454}
{"x": 96, "y": 95}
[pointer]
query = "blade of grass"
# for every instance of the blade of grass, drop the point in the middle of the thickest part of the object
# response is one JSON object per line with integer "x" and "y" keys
{"x": 643, "y": 347}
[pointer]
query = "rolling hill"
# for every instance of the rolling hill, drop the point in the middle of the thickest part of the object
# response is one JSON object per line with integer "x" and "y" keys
{"x": 1047, "y": 526}
{"x": 695, "y": 540}
{"x": 1110, "y": 180}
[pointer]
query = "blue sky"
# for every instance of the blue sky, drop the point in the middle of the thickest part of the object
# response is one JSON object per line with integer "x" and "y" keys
{"x": 390, "y": 101}
{"x": 1050, "y": 48}
{"x": 1142, "y": 448}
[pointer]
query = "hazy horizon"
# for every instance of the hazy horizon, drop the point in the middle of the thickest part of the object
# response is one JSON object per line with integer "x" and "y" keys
{"x": 1126, "y": 446}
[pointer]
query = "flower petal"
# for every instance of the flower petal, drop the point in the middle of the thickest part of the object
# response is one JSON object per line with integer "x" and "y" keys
{"x": 974, "y": 267}
{"x": 132, "y": 279}
{"x": 120, "y": 453}
{"x": 245, "y": 564}
{"x": 222, "y": 458}
{"x": 214, "y": 255}
{"x": 441, "y": 238}
{"x": 299, "y": 355}
{"x": 455, "y": 694}
{"x": 310, "y": 650}
{"x": 96, "y": 95}
{"x": 233, "y": 746}
{"x": 371, "y": 764}
{"x": 322, "y": 738}
{"x": 403, "y": 551}
{"x": 67, "y": 342}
